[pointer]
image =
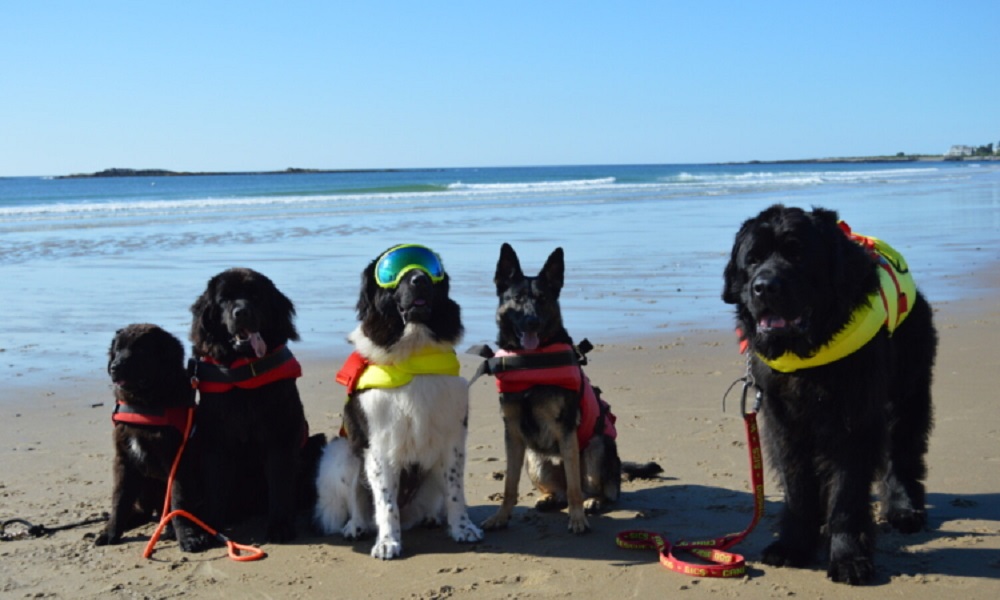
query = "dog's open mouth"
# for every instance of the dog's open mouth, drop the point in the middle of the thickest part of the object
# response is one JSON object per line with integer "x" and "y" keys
{"x": 250, "y": 339}
{"x": 529, "y": 340}
{"x": 769, "y": 323}
{"x": 416, "y": 310}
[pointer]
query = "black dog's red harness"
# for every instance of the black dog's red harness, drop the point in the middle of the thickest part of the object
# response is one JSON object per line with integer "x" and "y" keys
{"x": 211, "y": 377}
{"x": 171, "y": 416}
{"x": 557, "y": 365}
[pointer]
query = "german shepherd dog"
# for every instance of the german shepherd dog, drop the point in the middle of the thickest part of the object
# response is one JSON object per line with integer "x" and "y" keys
{"x": 568, "y": 448}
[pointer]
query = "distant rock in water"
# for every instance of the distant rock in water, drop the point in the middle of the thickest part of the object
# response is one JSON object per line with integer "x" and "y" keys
{"x": 125, "y": 173}
{"x": 117, "y": 172}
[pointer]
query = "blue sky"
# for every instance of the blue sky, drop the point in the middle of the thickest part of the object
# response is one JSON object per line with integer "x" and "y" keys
{"x": 252, "y": 85}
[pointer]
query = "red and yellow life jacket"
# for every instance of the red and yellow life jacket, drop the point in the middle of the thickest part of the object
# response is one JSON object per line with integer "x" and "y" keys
{"x": 887, "y": 307}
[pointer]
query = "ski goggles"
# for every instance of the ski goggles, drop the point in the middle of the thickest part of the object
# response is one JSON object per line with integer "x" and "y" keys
{"x": 397, "y": 261}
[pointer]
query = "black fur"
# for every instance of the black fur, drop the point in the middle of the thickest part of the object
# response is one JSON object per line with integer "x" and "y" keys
{"x": 541, "y": 422}
{"x": 251, "y": 439}
{"x": 832, "y": 430}
{"x": 146, "y": 365}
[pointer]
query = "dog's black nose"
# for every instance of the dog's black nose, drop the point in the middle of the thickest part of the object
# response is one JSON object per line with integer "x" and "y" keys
{"x": 417, "y": 278}
{"x": 765, "y": 285}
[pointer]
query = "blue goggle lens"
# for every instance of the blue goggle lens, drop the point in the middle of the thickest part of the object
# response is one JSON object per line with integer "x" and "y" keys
{"x": 395, "y": 263}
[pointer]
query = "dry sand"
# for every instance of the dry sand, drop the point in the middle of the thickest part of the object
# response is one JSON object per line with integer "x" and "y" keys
{"x": 56, "y": 467}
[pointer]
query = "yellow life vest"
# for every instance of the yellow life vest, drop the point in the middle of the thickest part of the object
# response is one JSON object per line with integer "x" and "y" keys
{"x": 359, "y": 374}
{"x": 887, "y": 307}
{"x": 429, "y": 362}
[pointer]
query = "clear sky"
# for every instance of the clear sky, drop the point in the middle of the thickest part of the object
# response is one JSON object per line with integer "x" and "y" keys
{"x": 253, "y": 85}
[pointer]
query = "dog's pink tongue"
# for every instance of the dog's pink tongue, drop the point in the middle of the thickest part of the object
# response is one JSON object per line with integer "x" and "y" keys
{"x": 773, "y": 323}
{"x": 258, "y": 344}
{"x": 529, "y": 341}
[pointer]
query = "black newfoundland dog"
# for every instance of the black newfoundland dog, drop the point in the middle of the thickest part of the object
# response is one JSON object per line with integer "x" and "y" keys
{"x": 251, "y": 428}
{"x": 153, "y": 402}
{"x": 846, "y": 399}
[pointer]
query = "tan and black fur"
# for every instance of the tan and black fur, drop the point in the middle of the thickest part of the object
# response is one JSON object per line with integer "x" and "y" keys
{"x": 540, "y": 423}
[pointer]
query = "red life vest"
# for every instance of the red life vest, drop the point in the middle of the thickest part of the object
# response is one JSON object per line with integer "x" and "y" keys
{"x": 569, "y": 376}
{"x": 211, "y": 377}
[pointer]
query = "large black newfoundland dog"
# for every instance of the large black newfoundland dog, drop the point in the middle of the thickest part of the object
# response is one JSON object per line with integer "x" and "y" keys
{"x": 251, "y": 428}
{"x": 846, "y": 393}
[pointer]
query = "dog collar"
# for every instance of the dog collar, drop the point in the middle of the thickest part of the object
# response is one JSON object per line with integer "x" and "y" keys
{"x": 887, "y": 307}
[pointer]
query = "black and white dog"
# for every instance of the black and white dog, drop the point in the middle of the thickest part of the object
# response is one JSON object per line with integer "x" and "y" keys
{"x": 401, "y": 460}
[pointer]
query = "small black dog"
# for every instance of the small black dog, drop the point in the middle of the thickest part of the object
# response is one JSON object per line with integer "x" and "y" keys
{"x": 555, "y": 422}
{"x": 153, "y": 398}
{"x": 846, "y": 381}
{"x": 252, "y": 430}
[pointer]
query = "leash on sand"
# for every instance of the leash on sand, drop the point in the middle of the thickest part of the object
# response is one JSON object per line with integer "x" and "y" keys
{"x": 720, "y": 562}
{"x": 237, "y": 552}
{"x": 24, "y": 529}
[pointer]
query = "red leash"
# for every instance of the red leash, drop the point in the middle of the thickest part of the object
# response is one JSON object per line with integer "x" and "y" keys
{"x": 239, "y": 552}
{"x": 723, "y": 564}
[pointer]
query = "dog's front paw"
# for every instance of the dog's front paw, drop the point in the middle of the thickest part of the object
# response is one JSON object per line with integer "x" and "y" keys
{"x": 497, "y": 521}
{"x": 387, "y": 548}
{"x": 197, "y": 542}
{"x": 854, "y": 570}
{"x": 851, "y": 559}
{"x": 107, "y": 538}
{"x": 578, "y": 522}
{"x": 465, "y": 531}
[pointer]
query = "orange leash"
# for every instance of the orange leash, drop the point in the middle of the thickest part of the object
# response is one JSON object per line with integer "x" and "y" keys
{"x": 722, "y": 563}
{"x": 238, "y": 552}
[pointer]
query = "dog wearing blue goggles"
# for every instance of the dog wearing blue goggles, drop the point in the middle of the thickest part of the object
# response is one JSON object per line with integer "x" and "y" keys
{"x": 399, "y": 260}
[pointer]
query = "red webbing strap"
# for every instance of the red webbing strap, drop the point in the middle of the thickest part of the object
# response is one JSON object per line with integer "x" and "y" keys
{"x": 238, "y": 552}
{"x": 723, "y": 564}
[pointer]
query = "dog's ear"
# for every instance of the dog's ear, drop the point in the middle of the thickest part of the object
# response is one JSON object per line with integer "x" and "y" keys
{"x": 285, "y": 310}
{"x": 733, "y": 277}
{"x": 366, "y": 306}
{"x": 508, "y": 269}
{"x": 853, "y": 272}
{"x": 554, "y": 270}
{"x": 206, "y": 316}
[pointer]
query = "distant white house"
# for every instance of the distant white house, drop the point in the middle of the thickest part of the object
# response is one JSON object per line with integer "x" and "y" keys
{"x": 961, "y": 151}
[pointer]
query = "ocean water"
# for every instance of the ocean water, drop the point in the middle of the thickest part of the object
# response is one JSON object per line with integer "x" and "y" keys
{"x": 645, "y": 245}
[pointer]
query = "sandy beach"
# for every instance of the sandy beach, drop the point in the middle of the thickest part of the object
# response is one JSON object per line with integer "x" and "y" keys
{"x": 667, "y": 392}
